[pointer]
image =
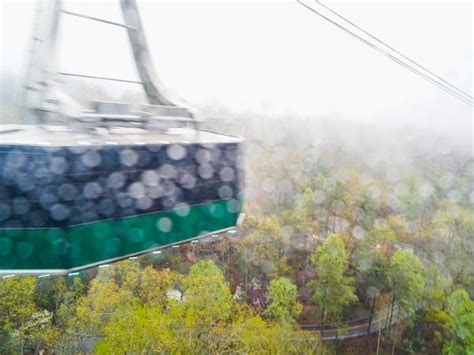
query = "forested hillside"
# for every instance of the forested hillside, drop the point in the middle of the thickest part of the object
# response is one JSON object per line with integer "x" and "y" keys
{"x": 357, "y": 239}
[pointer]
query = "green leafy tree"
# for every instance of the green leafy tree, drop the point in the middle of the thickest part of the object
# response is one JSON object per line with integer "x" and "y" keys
{"x": 455, "y": 229}
{"x": 377, "y": 236}
{"x": 121, "y": 286}
{"x": 377, "y": 280}
{"x": 255, "y": 336}
{"x": 17, "y": 308}
{"x": 263, "y": 251}
{"x": 410, "y": 199}
{"x": 207, "y": 297}
{"x": 378, "y": 272}
{"x": 461, "y": 330}
{"x": 407, "y": 282}
{"x": 139, "y": 329}
{"x": 284, "y": 304}
{"x": 207, "y": 320}
{"x": 333, "y": 291}
{"x": 432, "y": 321}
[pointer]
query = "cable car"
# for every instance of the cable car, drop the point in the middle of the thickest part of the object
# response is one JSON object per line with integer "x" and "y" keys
{"x": 81, "y": 187}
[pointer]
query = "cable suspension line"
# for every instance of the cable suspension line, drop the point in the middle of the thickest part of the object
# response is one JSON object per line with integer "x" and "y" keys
{"x": 394, "y": 50}
{"x": 392, "y": 57}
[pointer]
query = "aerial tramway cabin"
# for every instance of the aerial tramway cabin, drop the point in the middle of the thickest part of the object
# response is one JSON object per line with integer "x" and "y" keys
{"x": 85, "y": 186}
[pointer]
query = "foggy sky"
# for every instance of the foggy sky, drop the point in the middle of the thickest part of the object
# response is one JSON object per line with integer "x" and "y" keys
{"x": 276, "y": 56}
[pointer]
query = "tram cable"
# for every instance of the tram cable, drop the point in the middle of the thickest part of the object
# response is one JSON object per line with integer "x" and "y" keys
{"x": 458, "y": 94}
{"x": 396, "y": 51}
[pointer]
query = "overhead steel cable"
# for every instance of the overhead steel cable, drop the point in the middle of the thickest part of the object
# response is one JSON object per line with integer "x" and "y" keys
{"x": 394, "y": 50}
{"x": 392, "y": 57}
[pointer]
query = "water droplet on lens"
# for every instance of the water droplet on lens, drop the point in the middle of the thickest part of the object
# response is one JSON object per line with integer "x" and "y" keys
{"x": 21, "y": 205}
{"x": 116, "y": 180}
{"x": 15, "y": 160}
{"x": 176, "y": 151}
{"x": 358, "y": 232}
{"x": 167, "y": 171}
{"x": 227, "y": 174}
{"x": 205, "y": 171}
{"x": 269, "y": 185}
{"x": 203, "y": 156}
{"x": 58, "y": 165}
{"x": 136, "y": 190}
{"x": 128, "y": 157}
{"x": 25, "y": 182}
{"x": 5, "y": 246}
{"x": 91, "y": 159}
{"x": 59, "y": 212}
{"x": 233, "y": 206}
{"x": 67, "y": 192}
{"x": 5, "y": 211}
{"x": 319, "y": 197}
{"x": 47, "y": 199}
{"x": 24, "y": 249}
{"x": 150, "y": 178}
{"x": 187, "y": 181}
{"x": 165, "y": 224}
{"x": 182, "y": 209}
{"x": 143, "y": 203}
{"x": 225, "y": 192}
{"x": 92, "y": 190}
{"x": 123, "y": 200}
{"x": 106, "y": 207}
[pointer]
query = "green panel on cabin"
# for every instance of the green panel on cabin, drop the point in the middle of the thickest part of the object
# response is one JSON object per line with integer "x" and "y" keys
{"x": 75, "y": 246}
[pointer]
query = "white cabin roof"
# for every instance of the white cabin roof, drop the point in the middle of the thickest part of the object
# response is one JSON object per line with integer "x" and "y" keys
{"x": 56, "y": 135}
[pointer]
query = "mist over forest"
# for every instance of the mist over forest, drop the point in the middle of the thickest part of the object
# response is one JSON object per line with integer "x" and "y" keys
{"x": 345, "y": 221}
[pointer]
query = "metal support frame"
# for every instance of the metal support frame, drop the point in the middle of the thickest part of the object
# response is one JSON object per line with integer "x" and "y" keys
{"x": 100, "y": 78}
{"x": 40, "y": 76}
{"x": 97, "y": 19}
{"x": 141, "y": 53}
{"x": 43, "y": 93}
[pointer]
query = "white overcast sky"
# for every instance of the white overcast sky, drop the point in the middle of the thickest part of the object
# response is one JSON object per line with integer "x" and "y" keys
{"x": 276, "y": 55}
